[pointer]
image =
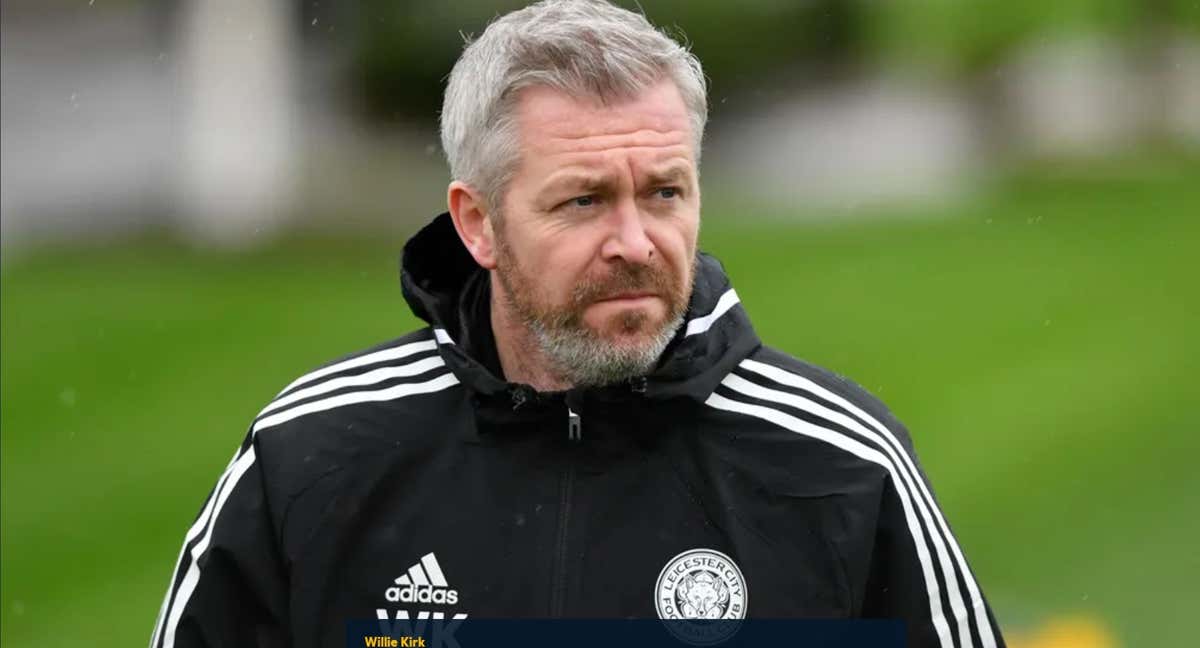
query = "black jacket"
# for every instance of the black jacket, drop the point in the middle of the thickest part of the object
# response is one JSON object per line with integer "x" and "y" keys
{"x": 411, "y": 477}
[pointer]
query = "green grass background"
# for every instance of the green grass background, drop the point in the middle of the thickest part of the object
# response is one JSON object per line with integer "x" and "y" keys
{"x": 1040, "y": 341}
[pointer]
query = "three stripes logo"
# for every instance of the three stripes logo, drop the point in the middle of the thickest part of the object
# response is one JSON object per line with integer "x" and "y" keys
{"x": 424, "y": 583}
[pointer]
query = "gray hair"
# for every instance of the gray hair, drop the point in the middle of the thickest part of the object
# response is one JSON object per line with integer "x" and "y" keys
{"x": 586, "y": 48}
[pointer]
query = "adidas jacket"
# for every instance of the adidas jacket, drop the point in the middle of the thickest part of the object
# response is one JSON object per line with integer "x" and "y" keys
{"x": 411, "y": 481}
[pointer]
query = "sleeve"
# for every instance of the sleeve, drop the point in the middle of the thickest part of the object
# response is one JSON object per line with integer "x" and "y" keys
{"x": 229, "y": 587}
{"x": 918, "y": 573}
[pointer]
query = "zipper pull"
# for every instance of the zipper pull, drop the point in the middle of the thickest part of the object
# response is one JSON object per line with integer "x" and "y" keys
{"x": 574, "y": 426}
{"x": 519, "y": 396}
{"x": 638, "y": 385}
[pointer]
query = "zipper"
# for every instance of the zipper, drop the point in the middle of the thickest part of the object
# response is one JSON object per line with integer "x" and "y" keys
{"x": 558, "y": 592}
{"x": 558, "y": 598}
{"x": 574, "y": 426}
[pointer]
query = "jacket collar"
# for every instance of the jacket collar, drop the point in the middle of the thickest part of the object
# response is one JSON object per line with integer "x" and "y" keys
{"x": 446, "y": 288}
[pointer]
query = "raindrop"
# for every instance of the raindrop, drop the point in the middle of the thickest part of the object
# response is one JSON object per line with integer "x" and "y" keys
{"x": 314, "y": 22}
{"x": 19, "y": 606}
{"x": 430, "y": 149}
{"x": 67, "y": 397}
{"x": 519, "y": 519}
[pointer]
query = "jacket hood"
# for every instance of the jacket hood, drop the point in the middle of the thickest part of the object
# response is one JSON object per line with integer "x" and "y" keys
{"x": 446, "y": 288}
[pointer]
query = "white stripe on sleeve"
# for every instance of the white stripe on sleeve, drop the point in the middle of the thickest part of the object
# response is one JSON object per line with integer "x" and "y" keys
{"x": 902, "y": 458}
{"x": 702, "y": 324}
{"x": 188, "y": 586}
{"x": 394, "y": 353}
{"x": 868, "y": 454}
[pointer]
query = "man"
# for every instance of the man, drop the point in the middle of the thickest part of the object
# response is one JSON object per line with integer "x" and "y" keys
{"x": 589, "y": 427}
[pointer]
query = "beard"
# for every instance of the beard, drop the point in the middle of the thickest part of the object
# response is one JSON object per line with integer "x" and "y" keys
{"x": 627, "y": 346}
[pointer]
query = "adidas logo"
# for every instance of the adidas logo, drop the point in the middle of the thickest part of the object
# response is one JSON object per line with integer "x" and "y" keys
{"x": 424, "y": 583}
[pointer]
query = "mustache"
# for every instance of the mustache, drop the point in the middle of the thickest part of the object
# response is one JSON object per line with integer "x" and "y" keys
{"x": 624, "y": 278}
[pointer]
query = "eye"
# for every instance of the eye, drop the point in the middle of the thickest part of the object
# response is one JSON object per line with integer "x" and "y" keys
{"x": 668, "y": 192}
{"x": 578, "y": 202}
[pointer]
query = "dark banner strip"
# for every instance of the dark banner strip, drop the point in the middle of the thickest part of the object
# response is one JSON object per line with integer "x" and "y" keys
{"x": 592, "y": 633}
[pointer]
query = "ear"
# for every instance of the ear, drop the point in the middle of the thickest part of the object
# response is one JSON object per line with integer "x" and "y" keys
{"x": 472, "y": 221}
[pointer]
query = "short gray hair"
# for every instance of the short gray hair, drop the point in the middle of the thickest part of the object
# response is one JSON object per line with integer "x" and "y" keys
{"x": 586, "y": 48}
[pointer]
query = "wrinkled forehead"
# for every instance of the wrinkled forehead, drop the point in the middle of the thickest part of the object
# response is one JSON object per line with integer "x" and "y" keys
{"x": 550, "y": 121}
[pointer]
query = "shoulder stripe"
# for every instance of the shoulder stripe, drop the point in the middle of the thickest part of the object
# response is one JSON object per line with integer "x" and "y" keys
{"x": 188, "y": 585}
{"x": 195, "y": 530}
{"x": 356, "y": 380}
{"x": 866, "y": 453}
{"x": 442, "y": 336}
{"x": 887, "y": 440}
{"x": 394, "y": 353}
{"x": 391, "y": 393}
{"x": 172, "y": 612}
{"x": 748, "y": 388}
{"x": 702, "y": 324}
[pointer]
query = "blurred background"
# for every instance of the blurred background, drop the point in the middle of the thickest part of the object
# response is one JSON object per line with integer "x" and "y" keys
{"x": 983, "y": 212}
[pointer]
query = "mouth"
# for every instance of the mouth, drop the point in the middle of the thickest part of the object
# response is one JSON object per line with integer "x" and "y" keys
{"x": 627, "y": 296}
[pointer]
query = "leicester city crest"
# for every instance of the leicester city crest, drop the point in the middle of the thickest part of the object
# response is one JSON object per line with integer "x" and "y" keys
{"x": 697, "y": 587}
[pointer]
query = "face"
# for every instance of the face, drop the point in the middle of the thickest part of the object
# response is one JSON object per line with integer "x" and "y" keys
{"x": 596, "y": 248}
{"x": 704, "y": 592}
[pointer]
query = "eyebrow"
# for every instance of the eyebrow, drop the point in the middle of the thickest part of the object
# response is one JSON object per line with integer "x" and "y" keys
{"x": 597, "y": 182}
{"x": 670, "y": 175}
{"x": 590, "y": 182}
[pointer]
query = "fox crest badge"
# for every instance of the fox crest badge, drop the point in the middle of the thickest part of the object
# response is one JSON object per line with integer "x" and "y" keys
{"x": 701, "y": 585}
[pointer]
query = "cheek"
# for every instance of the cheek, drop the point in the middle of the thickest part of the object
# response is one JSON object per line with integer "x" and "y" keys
{"x": 550, "y": 259}
{"x": 676, "y": 241}
{"x": 564, "y": 263}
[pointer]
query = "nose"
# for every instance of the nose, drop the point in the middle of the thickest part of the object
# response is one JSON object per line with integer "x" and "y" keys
{"x": 627, "y": 238}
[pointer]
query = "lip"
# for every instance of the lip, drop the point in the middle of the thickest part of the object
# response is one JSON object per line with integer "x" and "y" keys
{"x": 633, "y": 296}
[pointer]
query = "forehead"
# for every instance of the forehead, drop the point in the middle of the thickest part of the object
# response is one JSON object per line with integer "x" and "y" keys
{"x": 551, "y": 121}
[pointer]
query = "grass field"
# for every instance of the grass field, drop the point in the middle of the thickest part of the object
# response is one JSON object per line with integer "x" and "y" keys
{"x": 1040, "y": 342}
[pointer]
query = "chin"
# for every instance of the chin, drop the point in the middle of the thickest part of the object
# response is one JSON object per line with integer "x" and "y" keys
{"x": 643, "y": 335}
{"x": 629, "y": 326}
{"x": 630, "y": 341}
{"x": 641, "y": 319}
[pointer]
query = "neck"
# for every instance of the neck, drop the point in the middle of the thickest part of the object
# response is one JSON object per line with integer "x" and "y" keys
{"x": 521, "y": 359}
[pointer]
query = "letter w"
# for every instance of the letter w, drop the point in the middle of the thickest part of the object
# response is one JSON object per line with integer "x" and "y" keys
{"x": 402, "y": 626}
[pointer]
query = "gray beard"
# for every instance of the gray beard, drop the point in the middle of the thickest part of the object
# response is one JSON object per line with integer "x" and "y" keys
{"x": 584, "y": 359}
{"x": 576, "y": 354}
